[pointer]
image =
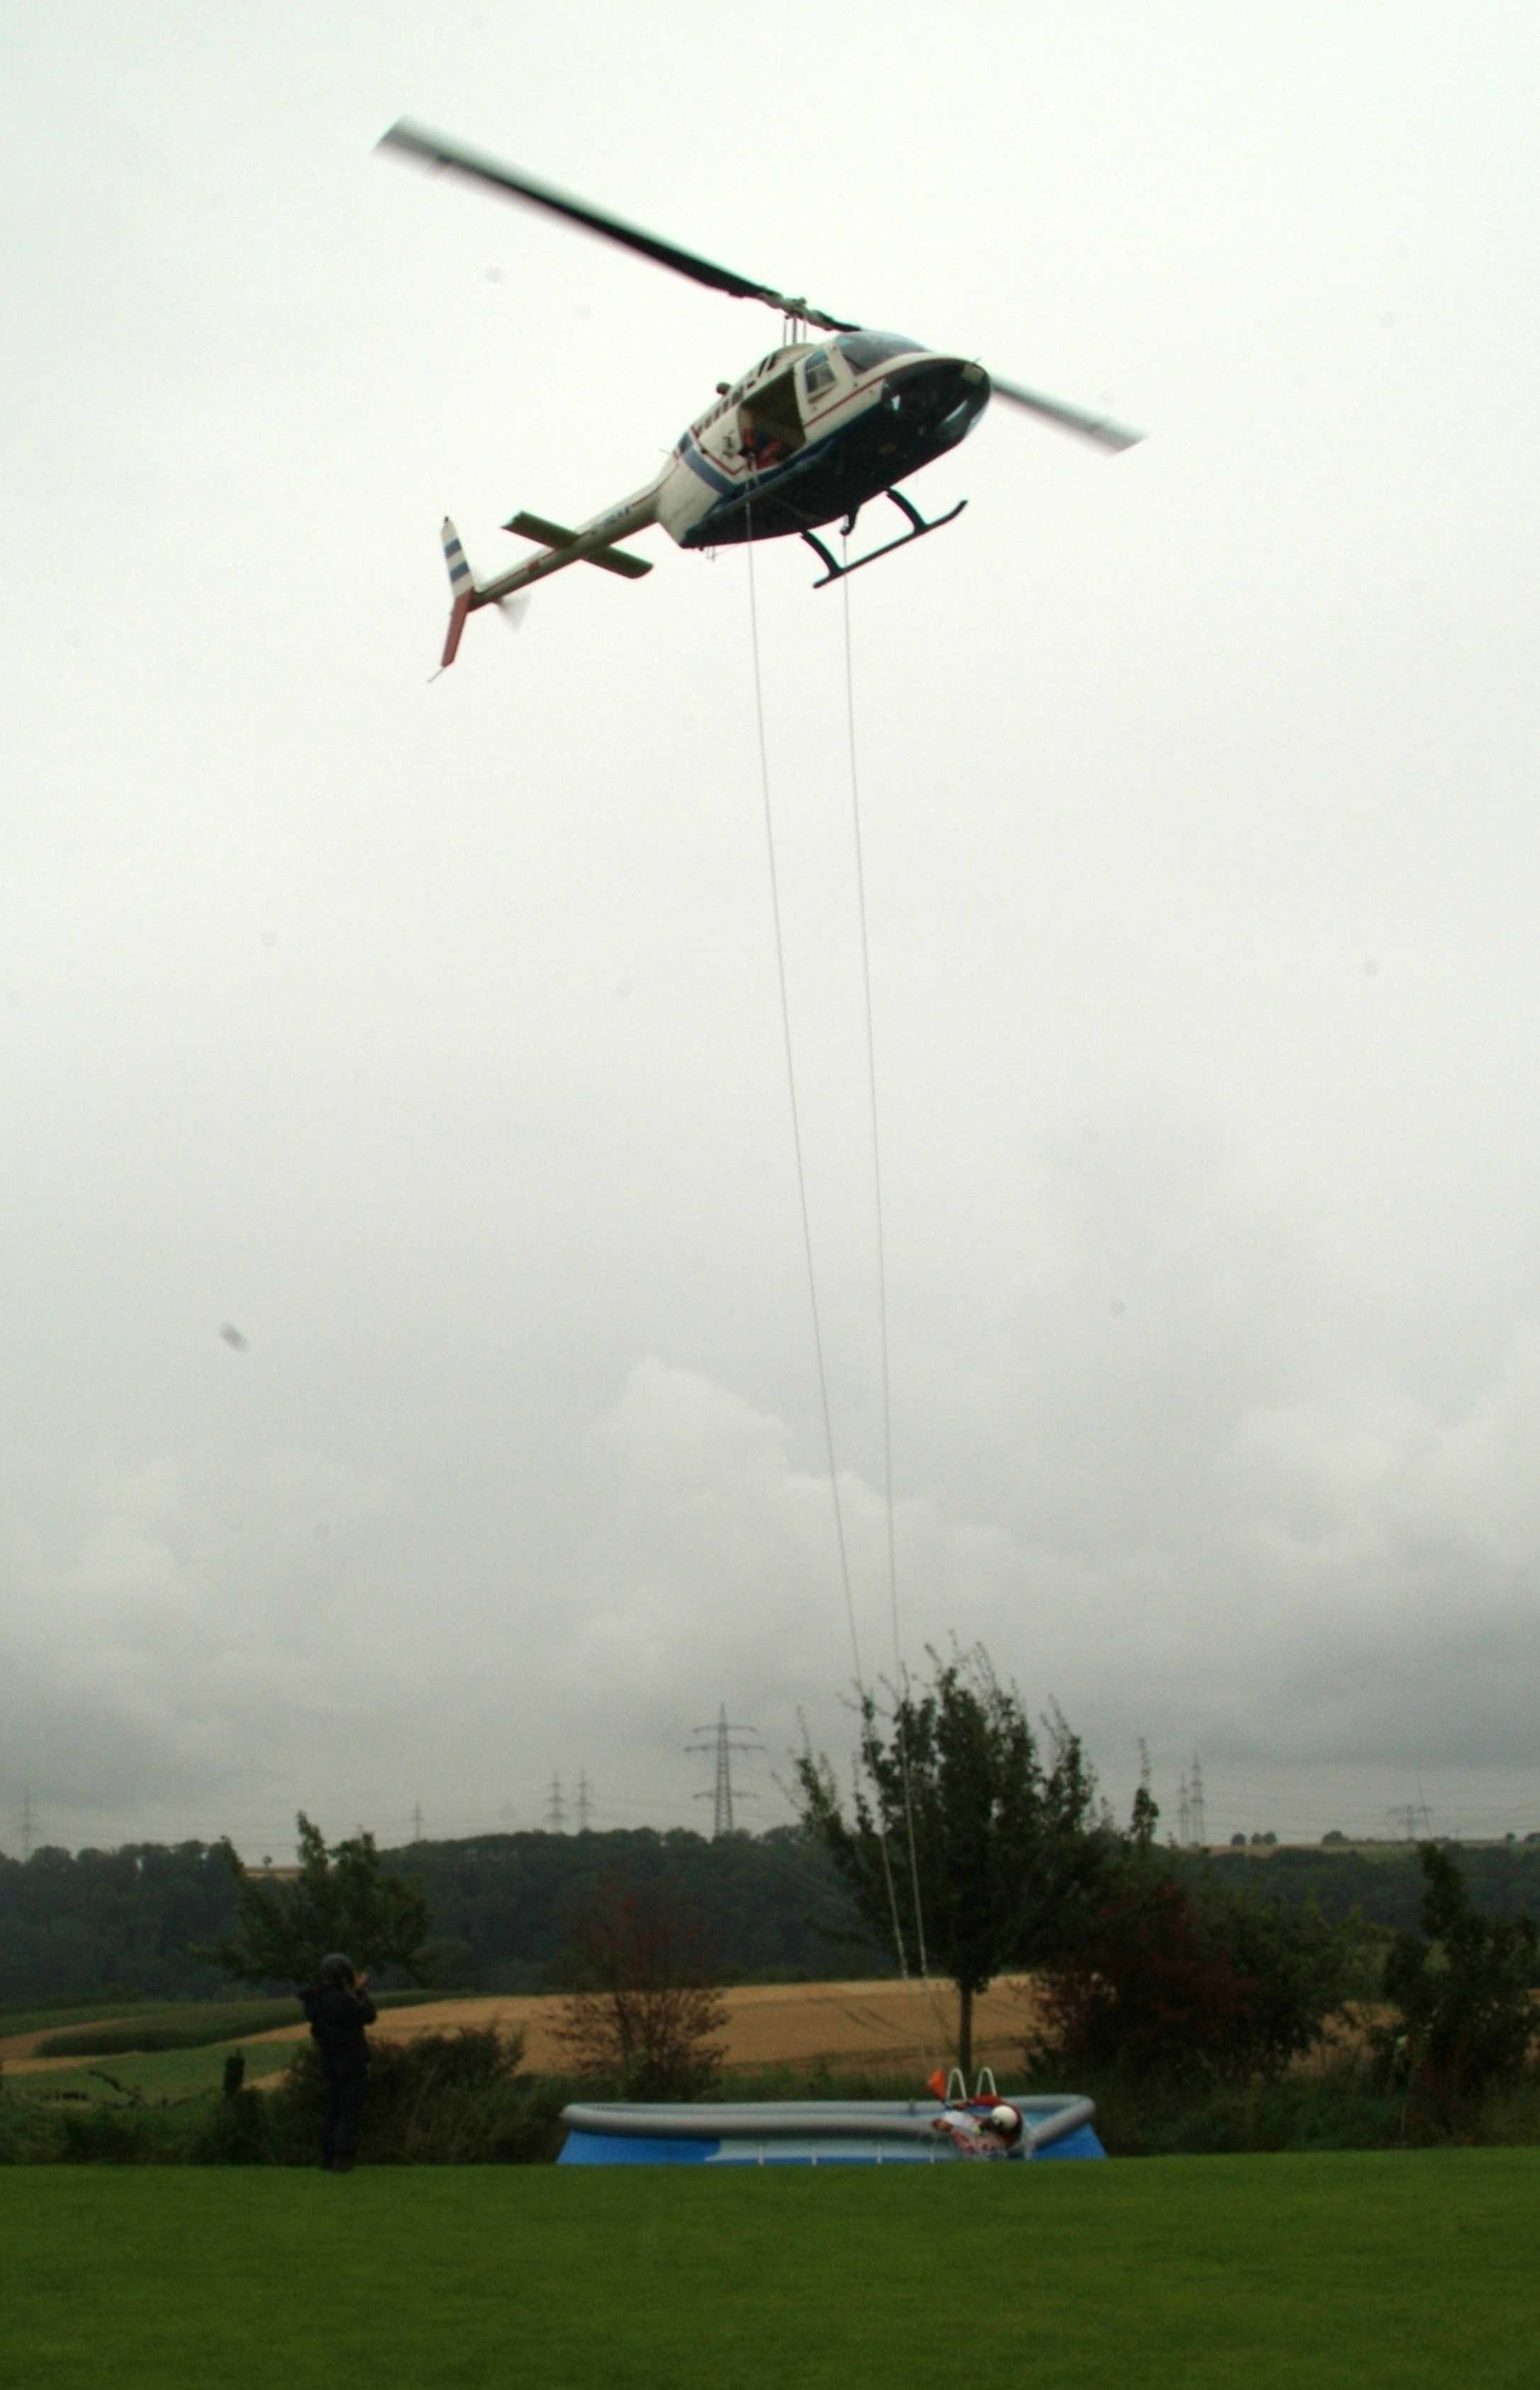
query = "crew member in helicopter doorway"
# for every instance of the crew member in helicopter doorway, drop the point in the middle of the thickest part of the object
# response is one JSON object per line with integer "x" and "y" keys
{"x": 338, "y": 2007}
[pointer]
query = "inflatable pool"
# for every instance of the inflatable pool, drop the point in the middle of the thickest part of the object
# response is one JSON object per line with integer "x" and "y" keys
{"x": 808, "y": 2132}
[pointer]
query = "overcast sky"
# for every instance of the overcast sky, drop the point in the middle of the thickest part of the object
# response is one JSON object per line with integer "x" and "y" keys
{"x": 429, "y": 1036}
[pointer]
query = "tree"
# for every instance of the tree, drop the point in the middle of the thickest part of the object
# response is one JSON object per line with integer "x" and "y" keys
{"x": 1464, "y": 1993}
{"x": 342, "y": 1899}
{"x": 646, "y": 2018}
{"x": 965, "y": 1843}
{"x": 1174, "y": 1979}
{"x": 1146, "y": 1814}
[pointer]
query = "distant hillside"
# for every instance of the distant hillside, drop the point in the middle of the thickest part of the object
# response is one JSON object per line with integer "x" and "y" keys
{"x": 98, "y": 1925}
{"x": 105, "y": 1924}
{"x": 1382, "y": 1879}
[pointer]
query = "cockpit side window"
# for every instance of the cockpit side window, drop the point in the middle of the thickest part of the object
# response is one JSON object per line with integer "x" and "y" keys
{"x": 818, "y": 374}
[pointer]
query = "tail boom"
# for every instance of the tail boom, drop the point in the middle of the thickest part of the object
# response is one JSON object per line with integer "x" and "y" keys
{"x": 593, "y": 542}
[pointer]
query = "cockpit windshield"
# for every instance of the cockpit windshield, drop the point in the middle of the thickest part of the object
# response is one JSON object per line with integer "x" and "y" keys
{"x": 860, "y": 350}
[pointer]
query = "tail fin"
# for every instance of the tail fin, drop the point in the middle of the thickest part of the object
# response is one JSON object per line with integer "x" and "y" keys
{"x": 462, "y": 592}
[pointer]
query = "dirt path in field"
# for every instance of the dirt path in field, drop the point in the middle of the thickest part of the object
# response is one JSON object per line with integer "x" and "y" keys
{"x": 885, "y": 2027}
{"x": 16, "y": 2050}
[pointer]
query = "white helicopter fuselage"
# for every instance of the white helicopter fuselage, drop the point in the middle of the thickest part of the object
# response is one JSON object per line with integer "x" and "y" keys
{"x": 812, "y": 431}
{"x": 804, "y": 437}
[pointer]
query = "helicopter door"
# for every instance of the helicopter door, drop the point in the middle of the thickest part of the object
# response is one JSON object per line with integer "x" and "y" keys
{"x": 770, "y": 424}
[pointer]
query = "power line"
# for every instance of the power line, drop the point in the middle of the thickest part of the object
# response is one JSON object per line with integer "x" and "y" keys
{"x": 555, "y": 1812}
{"x": 584, "y": 1804}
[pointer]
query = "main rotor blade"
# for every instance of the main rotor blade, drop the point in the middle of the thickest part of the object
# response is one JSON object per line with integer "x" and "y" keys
{"x": 433, "y": 149}
{"x": 1099, "y": 428}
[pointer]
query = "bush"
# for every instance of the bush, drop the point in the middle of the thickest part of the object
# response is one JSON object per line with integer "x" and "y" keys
{"x": 441, "y": 2098}
{"x": 109, "y": 2136}
{"x": 450, "y": 2098}
{"x": 1336, "y": 2108}
{"x": 28, "y": 2135}
{"x": 644, "y": 2024}
{"x": 237, "y": 2132}
{"x": 1464, "y": 1993}
{"x": 1174, "y": 1982}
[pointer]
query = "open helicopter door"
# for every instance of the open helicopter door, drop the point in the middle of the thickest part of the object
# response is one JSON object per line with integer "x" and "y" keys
{"x": 770, "y": 421}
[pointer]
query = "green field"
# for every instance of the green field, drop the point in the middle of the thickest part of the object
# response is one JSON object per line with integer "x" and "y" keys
{"x": 156, "y": 2075}
{"x": 44, "y": 2020}
{"x": 1416, "y": 2271}
{"x": 191, "y": 2025}
{"x": 196, "y": 2036}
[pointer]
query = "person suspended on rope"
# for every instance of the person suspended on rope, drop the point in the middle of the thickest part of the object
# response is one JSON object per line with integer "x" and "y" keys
{"x": 996, "y": 2132}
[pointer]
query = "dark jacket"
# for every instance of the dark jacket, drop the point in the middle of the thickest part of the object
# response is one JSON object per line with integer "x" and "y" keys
{"x": 337, "y": 2017}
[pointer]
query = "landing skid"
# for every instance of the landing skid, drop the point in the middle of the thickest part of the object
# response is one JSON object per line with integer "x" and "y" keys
{"x": 837, "y": 572}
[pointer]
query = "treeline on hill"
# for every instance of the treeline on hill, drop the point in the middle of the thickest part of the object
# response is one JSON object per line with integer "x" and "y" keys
{"x": 505, "y": 1911}
{"x": 506, "y": 1908}
{"x": 1382, "y": 1884}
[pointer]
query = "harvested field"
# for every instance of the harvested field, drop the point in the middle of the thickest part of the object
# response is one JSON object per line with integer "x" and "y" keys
{"x": 883, "y": 2027}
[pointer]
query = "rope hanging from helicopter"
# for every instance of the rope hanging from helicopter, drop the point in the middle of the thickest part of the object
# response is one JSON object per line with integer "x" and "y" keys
{"x": 900, "y": 1672}
{"x": 842, "y": 1540}
{"x": 890, "y": 381}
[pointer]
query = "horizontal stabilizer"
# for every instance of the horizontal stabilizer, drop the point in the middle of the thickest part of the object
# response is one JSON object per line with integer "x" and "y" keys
{"x": 555, "y": 535}
{"x": 549, "y": 534}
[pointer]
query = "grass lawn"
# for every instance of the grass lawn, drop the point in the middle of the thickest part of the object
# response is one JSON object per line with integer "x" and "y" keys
{"x": 1414, "y": 2271}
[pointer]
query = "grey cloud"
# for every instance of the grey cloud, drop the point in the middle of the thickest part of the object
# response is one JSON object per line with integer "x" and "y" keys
{"x": 431, "y": 1038}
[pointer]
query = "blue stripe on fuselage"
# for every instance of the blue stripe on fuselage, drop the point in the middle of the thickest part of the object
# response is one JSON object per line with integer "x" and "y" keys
{"x": 753, "y": 485}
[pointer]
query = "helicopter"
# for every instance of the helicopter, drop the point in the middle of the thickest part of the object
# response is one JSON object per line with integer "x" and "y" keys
{"x": 807, "y": 436}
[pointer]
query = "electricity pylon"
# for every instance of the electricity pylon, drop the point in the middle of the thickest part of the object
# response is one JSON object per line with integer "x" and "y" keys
{"x": 722, "y": 1747}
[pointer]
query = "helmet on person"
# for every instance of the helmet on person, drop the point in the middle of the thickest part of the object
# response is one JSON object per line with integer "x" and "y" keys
{"x": 1006, "y": 2121}
{"x": 335, "y": 1968}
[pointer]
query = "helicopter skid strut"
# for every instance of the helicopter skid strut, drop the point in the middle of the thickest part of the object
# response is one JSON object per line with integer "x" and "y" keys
{"x": 837, "y": 572}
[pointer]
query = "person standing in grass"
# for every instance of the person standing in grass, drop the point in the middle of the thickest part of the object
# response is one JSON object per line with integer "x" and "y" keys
{"x": 338, "y": 2007}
